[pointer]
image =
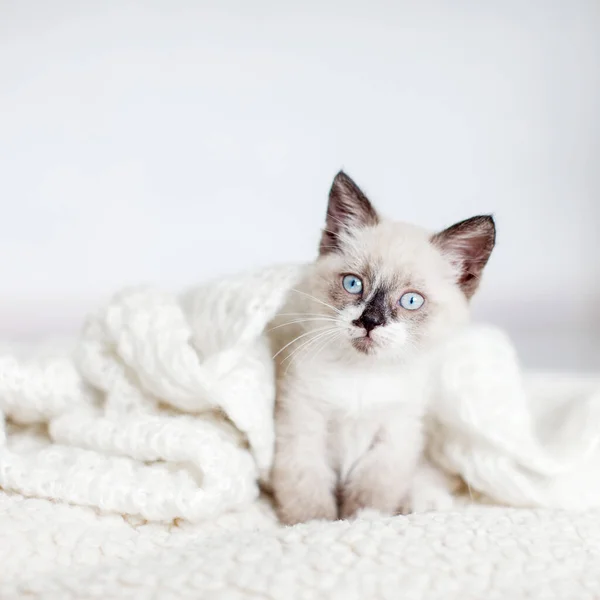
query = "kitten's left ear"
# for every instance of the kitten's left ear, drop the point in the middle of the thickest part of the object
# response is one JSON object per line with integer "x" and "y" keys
{"x": 348, "y": 208}
{"x": 469, "y": 245}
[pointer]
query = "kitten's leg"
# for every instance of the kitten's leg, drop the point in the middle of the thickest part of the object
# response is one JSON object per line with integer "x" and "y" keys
{"x": 382, "y": 477}
{"x": 303, "y": 482}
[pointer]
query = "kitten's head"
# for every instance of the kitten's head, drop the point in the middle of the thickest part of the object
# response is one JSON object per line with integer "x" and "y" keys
{"x": 393, "y": 288}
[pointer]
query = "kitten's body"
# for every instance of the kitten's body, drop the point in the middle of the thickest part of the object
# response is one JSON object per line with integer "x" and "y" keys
{"x": 330, "y": 416}
{"x": 350, "y": 402}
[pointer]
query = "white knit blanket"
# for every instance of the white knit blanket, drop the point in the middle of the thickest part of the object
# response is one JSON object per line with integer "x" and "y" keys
{"x": 143, "y": 447}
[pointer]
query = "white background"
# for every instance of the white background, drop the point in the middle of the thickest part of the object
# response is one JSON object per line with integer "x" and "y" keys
{"x": 167, "y": 142}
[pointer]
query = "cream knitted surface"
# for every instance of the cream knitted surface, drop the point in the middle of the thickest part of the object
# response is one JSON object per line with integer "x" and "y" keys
{"x": 130, "y": 467}
{"x": 55, "y": 551}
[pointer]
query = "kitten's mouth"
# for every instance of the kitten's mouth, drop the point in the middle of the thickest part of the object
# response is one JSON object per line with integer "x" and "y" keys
{"x": 364, "y": 344}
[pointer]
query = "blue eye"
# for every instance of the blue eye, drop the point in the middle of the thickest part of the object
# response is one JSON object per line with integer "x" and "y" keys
{"x": 411, "y": 301}
{"x": 352, "y": 284}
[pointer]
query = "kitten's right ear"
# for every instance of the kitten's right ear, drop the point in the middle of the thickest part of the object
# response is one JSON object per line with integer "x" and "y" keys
{"x": 469, "y": 245}
{"x": 348, "y": 208}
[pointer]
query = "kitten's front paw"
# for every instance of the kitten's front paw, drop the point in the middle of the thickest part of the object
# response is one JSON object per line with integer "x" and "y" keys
{"x": 351, "y": 507}
{"x": 303, "y": 492}
{"x": 302, "y": 509}
{"x": 359, "y": 502}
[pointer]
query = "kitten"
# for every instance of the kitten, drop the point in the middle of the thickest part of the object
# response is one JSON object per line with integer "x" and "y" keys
{"x": 350, "y": 401}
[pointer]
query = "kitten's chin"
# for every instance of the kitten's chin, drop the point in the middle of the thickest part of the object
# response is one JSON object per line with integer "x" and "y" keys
{"x": 365, "y": 345}
{"x": 375, "y": 349}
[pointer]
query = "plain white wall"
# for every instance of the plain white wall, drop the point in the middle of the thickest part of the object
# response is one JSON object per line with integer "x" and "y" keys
{"x": 168, "y": 142}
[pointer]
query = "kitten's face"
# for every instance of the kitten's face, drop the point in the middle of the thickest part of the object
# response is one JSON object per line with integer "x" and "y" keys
{"x": 392, "y": 288}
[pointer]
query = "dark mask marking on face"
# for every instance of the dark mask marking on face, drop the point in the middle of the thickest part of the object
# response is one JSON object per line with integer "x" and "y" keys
{"x": 375, "y": 313}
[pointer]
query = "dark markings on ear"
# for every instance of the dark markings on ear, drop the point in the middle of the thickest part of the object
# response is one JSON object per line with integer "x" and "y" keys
{"x": 469, "y": 245}
{"x": 348, "y": 208}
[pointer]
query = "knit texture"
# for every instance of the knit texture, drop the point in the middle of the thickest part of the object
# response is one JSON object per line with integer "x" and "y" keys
{"x": 54, "y": 551}
{"x": 164, "y": 410}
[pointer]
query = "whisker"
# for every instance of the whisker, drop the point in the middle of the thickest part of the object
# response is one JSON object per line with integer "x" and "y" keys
{"x": 306, "y": 347}
{"x": 301, "y": 321}
{"x": 318, "y": 332}
{"x": 339, "y": 312}
{"x": 297, "y": 351}
{"x": 301, "y": 314}
{"x": 327, "y": 341}
{"x": 298, "y": 338}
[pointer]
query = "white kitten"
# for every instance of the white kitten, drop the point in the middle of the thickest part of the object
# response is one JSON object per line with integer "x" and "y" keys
{"x": 351, "y": 342}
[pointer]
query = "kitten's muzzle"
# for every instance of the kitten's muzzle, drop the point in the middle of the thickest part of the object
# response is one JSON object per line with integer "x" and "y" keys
{"x": 370, "y": 319}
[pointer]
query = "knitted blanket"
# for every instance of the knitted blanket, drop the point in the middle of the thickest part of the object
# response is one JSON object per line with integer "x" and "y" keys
{"x": 157, "y": 428}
